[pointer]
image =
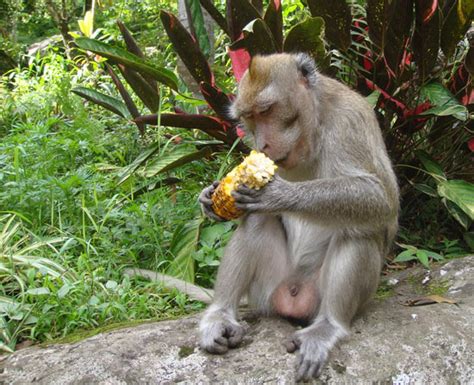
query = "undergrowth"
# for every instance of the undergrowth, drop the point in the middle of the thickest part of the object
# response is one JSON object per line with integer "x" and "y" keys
{"x": 67, "y": 230}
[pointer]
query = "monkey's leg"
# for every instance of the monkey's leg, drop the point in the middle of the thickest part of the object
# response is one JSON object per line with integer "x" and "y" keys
{"x": 255, "y": 252}
{"x": 349, "y": 276}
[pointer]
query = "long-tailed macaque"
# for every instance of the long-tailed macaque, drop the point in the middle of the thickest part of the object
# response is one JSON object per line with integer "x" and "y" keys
{"x": 311, "y": 244}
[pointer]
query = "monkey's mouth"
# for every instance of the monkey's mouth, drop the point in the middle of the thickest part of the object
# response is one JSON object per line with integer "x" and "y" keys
{"x": 282, "y": 160}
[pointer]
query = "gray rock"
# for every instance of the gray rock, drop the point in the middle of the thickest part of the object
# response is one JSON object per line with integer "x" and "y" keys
{"x": 390, "y": 343}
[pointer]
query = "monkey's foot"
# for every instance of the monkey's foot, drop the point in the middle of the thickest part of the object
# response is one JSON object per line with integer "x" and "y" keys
{"x": 314, "y": 344}
{"x": 219, "y": 332}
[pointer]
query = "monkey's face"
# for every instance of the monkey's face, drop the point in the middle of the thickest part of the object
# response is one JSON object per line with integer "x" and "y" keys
{"x": 272, "y": 103}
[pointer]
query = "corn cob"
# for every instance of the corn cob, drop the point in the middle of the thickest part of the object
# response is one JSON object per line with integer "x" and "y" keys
{"x": 255, "y": 171}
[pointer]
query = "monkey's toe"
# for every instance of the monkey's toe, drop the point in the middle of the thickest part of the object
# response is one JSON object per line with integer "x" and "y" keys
{"x": 291, "y": 345}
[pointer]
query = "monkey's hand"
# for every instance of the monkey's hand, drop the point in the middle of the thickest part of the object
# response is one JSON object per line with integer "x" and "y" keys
{"x": 219, "y": 332}
{"x": 206, "y": 202}
{"x": 271, "y": 198}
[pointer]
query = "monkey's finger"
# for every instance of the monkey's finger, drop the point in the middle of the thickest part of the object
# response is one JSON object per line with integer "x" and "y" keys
{"x": 243, "y": 189}
{"x": 242, "y": 198}
{"x": 221, "y": 341}
{"x": 235, "y": 335}
{"x": 217, "y": 349}
{"x": 211, "y": 215}
{"x": 303, "y": 371}
{"x": 215, "y": 184}
{"x": 314, "y": 369}
{"x": 205, "y": 200}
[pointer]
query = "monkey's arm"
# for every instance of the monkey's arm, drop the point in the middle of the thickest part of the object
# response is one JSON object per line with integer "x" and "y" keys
{"x": 354, "y": 199}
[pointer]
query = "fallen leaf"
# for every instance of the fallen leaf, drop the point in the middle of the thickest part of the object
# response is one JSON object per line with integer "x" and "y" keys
{"x": 429, "y": 300}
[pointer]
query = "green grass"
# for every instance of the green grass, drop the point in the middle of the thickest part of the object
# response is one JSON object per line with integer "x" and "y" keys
{"x": 67, "y": 230}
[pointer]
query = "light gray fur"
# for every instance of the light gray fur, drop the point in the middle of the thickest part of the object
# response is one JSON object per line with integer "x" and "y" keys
{"x": 337, "y": 211}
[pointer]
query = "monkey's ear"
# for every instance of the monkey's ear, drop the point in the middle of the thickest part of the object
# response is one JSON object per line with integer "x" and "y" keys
{"x": 307, "y": 68}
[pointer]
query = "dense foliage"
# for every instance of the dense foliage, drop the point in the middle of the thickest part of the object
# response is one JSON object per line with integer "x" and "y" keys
{"x": 88, "y": 189}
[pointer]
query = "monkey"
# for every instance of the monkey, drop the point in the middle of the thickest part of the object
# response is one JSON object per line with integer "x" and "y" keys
{"x": 311, "y": 244}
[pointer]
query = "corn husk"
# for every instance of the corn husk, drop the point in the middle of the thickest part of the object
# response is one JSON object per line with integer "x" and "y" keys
{"x": 255, "y": 172}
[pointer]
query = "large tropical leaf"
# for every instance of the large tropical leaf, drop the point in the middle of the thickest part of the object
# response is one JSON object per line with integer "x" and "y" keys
{"x": 257, "y": 39}
{"x": 132, "y": 108}
{"x": 174, "y": 159}
{"x": 133, "y": 47}
{"x": 216, "y": 15}
{"x": 378, "y": 17}
{"x": 108, "y": 102}
{"x": 460, "y": 192}
{"x": 119, "y": 55}
{"x": 274, "y": 19}
{"x": 216, "y": 99}
{"x": 398, "y": 32}
{"x": 337, "y": 18}
{"x": 187, "y": 48}
{"x": 212, "y": 126}
{"x": 445, "y": 104}
{"x": 183, "y": 246}
{"x": 426, "y": 39}
{"x": 239, "y": 14}
{"x": 307, "y": 36}
{"x": 149, "y": 96}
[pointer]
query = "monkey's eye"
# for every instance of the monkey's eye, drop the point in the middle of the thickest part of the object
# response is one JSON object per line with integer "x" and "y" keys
{"x": 265, "y": 110}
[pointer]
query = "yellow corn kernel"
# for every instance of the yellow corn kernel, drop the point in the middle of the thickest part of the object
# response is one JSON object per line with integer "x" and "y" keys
{"x": 255, "y": 171}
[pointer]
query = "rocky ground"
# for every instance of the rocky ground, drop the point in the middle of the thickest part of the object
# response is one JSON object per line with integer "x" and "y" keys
{"x": 391, "y": 343}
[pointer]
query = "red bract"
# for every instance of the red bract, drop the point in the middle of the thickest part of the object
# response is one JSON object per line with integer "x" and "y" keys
{"x": 240, "y": 59}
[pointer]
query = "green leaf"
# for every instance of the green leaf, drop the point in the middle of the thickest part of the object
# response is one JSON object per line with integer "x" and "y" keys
{"x": 4, "y": 347}
{"x": 111, "y": 285}
{"x": 435, "y": 256}
{"x": 458, "y": 214}
{"x": 183, "y": 246}
{"x": 108, "y": 102}
{"x": 423, "y": 258}
{"x": 373, "y": 98}
{"x": 426, "y": 189}
{"x": 445, "y": 104}
{"x": 307, "y": 36}
{"x": 430, "y": 165}
{"x": 122, "y": 56}
{"x": 39, "y": 291}
{"x": 469, "y": 239}
{"x": 140, "y": 160}
{"x": 459, "y": 192}
{"x": 199, "y": 26}
{"x": 86, "y": 26}
{"x": 210, "y": 234}
{"x": 176, "y": 158}
{"x": 64, "y": 290}
{"x": 406, "y": 255}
